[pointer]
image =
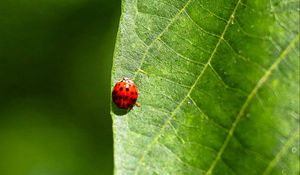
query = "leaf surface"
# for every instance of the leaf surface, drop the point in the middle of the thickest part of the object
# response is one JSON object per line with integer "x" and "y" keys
{"x": 218, "y": 87}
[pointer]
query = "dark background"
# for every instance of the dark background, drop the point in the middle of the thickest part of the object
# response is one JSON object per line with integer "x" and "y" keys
{"x": 55, "y": 63}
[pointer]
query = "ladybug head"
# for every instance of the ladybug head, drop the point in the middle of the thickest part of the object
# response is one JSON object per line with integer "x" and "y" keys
{"x": 125, "y": 79}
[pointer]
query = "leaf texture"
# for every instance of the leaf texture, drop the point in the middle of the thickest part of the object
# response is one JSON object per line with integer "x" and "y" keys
{"x": 218, "y": 87}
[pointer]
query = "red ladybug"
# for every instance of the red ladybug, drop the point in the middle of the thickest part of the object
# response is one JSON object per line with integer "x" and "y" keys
{"x": 125, "y": 94}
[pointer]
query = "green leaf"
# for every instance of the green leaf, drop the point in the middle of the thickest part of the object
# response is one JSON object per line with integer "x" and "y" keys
{"x": 218, "y": 87}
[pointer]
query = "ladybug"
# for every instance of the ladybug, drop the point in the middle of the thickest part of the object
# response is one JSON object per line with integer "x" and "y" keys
{"x": 125, "y": 94}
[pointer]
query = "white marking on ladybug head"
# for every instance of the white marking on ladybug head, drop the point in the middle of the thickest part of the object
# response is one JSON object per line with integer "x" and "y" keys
{"x": 125, "y": 79}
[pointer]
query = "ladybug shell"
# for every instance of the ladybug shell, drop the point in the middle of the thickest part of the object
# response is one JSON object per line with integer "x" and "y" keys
{"x": 125, "y": 93}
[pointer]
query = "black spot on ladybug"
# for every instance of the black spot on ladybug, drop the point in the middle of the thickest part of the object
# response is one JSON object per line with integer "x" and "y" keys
{"x": 131, "y": 93}
{"x": 120, "y": 97}
{"x": 115, "y": 92}
{"x": 133, "y": 100}
{"x": 126, "y": 97}
{"x": 127, "y": 89}
{"x": 121, "y": 89}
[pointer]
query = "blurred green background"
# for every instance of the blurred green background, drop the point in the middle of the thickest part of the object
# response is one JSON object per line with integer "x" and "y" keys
{"x": 55, "y": 62}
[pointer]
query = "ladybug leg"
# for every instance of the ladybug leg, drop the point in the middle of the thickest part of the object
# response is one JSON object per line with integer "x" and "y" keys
{"x": 137, "y": 104}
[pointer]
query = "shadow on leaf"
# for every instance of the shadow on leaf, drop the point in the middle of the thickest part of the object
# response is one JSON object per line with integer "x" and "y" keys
{"x": 118, "y": 111}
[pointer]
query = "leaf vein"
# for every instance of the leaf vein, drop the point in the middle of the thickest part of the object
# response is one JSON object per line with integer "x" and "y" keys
{"x": 172, "y": 81}
{"x": 201, "y": 28}
{"x": 191, "y": 43}
{"x": 219, "y": 76}
{"x": 243, "y": 57}
{"x": 206, "y": 117}
{"x": 185, "y": 58}
{"x": 212, "y": 13}
{"x": 156, "y": 39}
{"x": 180, "y": 159}
{"x": 153, "y": 15}
{"x": 282, "y": 152}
